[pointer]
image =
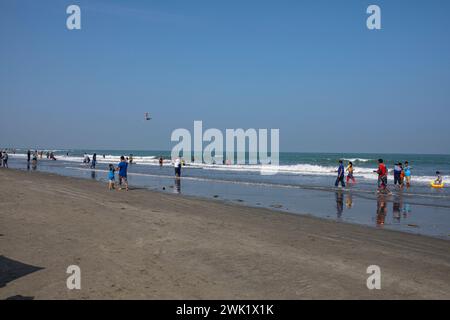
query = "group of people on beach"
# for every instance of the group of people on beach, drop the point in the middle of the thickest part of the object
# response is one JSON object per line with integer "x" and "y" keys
{"x": 402, "y": 174}
{"x": 122, "y": 168}
{"x": 35, "y": 155}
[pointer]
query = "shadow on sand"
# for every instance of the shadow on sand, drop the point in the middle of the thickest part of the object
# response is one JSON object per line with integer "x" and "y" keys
{"x": 11, "y": 270}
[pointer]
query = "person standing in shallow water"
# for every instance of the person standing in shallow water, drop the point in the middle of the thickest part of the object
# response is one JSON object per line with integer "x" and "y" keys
{"x": 350, "y": 173}
{"x": 382, "y": 176}
{"x": 341, "y": 173}
{"x": 177, "y": 166}
{"x": 407, "y": 170}
{"x": 398, "y": 174}
{"x": 94, "y": 161}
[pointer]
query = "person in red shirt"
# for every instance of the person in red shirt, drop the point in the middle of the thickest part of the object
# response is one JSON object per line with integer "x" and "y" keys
{"x": 382, "y": 176}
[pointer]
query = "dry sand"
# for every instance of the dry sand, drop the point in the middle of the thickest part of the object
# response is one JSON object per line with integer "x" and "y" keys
{"x": 150, "y": 245}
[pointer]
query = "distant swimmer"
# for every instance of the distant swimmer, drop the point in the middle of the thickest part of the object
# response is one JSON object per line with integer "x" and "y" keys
{"x": 341, "y": 173}
{"x": 161, "y": 161}
{"x": 350, "y": 173}
{"x": 130, "y": 159}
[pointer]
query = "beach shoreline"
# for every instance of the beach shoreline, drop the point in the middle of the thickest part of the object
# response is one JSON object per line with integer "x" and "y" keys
{"x": 144, "y": 244}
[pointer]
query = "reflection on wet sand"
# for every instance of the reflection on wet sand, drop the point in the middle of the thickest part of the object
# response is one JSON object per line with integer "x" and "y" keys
{"x": 406, "y": 210}
{"x": 349, "y": 201}
{"x": 397, "y": 207}
{"x": 381, "y": 210}
{"x": 339, "y": 203}
{"x": 177, "y": 188}
{"x": 93, "y": 174}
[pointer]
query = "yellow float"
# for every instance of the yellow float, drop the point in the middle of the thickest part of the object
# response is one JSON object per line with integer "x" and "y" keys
{"x": 437, "y": 186}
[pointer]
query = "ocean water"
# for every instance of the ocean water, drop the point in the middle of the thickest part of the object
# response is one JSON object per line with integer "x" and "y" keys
{"x": 304, "y": 183}
{"x": 312, "y": 167}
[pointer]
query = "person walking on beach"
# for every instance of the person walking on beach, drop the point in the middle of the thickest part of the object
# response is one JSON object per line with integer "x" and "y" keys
{"x": 341, "y": 173}
{"x": 382, "y": 176}
{"x": 94, "y": 161}
{"x": 28, "y": 155}
{"x": 177, "y": 166}
{"x": 123, "y": 168}
{"x": 350, "y": 173}
{"x": 407, "y": 170}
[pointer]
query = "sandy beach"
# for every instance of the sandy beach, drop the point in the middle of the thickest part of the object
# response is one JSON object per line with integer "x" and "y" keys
{"x": 148, "y": 245}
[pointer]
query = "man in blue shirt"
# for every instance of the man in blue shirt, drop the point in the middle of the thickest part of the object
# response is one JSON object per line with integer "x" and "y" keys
{"x": 122, "y": 168}
{"x": 341, "y": 173}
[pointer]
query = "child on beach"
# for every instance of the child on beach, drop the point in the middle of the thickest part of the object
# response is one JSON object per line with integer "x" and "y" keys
{"x": 340, "y": 177}
{"x": 111, "y": 177}
{"x": 438, "y": 180}
{"x": 122, "y": 168}
{"x": 350, "y": 172}
{"x": 407, "y": 170}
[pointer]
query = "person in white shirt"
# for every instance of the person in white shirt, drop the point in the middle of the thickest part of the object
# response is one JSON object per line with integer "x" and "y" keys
{"x": 177, "y": 166}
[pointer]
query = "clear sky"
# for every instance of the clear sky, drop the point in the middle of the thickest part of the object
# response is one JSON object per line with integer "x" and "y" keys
{"x": 310, "y": 68}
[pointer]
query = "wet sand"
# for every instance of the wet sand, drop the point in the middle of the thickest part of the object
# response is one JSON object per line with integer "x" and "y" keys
{"x": 148, "y": 245}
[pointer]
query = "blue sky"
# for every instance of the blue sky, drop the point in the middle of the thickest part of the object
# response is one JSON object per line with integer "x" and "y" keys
{"x": 310, "y": 68}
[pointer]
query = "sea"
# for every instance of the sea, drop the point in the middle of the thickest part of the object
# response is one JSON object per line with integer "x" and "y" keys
{"x": 302, "y": 183}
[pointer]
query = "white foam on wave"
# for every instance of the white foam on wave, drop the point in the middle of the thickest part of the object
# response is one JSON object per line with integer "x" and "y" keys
{"x": 359, "y": 160}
